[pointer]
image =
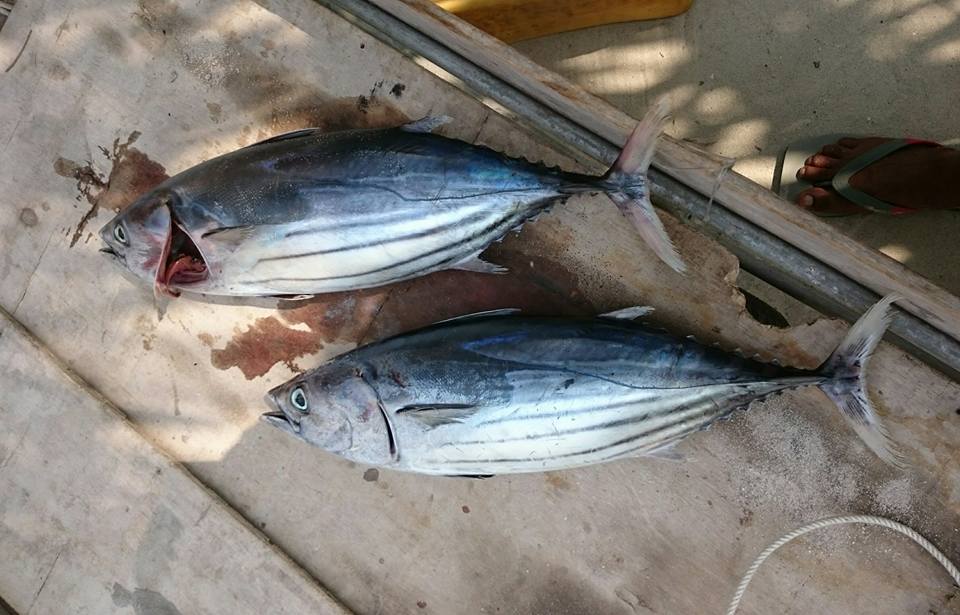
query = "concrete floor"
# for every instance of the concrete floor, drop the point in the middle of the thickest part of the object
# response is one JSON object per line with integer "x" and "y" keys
{"x": 745, "y": 82}
{"x": 107, "y": 96}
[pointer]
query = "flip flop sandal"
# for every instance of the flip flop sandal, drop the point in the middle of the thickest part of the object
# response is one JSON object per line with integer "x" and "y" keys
{"x": 786, "y": 184}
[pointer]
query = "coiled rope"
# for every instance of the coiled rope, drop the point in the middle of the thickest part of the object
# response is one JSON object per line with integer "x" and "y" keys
{"x": 928, "y": 546}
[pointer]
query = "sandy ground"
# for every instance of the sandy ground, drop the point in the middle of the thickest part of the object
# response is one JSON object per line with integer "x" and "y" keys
{"x": 746, "y": 82}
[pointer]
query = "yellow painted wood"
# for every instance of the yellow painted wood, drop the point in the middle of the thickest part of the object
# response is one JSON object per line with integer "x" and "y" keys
{"x": 514, "y": 20}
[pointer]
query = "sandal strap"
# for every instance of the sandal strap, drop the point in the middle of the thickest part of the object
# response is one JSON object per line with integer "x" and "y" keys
{"x": 841, "y": 181}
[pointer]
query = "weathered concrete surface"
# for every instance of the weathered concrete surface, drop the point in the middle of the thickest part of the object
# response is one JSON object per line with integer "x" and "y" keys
{"x": 95, "y": 519}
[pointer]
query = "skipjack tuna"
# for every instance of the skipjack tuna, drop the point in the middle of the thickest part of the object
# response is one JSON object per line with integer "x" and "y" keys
{"x": 496, "y": 394}
{"x": 310, "y": 212}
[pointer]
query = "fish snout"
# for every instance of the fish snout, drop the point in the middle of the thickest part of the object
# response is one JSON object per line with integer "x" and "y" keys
{"x": 279, "y": 417}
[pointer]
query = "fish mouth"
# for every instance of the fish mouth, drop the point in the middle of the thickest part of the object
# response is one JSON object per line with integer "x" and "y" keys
{"x": 181, "y": 263}
{"x": 279, "y": 418}
{"x": 111, "y": 254}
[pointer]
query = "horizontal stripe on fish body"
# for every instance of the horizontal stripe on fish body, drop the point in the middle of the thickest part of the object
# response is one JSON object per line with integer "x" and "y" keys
{"x": 375, "y": 262}
{"x": 555, "y": 438}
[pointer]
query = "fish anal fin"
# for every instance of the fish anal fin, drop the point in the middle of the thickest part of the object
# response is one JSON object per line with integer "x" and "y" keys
{"x": 435, "y": 415}
{"x": 475, "y": 263}
{"x": 293, "y": 297}
{"x": 628, "y": 313}
{"x": 426, "y": 124}
{"x": 666, "y": 452}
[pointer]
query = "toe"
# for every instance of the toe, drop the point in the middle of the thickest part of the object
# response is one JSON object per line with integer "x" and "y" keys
{"x": 821, "y": 160}
{"x": 822, "y": 201}
{"x": 808, "y": 197}
{"x": 849, "y": 142}
{"x": 833, "y": 150}
{"x": 812, "y": 174}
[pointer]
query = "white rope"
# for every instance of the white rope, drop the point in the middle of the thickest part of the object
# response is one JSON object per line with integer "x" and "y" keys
{"x": 822, "y": 523}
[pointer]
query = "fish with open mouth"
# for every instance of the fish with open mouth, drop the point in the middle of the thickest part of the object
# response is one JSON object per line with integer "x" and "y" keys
{"x": 309, "y": 212}
{"x": 499, "y": 393}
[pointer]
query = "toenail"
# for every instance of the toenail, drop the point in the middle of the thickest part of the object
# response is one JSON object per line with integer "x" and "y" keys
{"x": 806, "y": 201}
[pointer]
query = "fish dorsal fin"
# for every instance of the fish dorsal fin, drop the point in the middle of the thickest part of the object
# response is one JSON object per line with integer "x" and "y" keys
{"x": 426, "y": 124}
{"x": 497, "y": 312}
{"x": 435, "y": 415}
{"x": 628, "y": 313}
{"x": 293, "y": 134}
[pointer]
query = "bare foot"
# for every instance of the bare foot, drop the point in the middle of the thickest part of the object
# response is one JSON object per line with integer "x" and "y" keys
{"x": 921, "y": 176}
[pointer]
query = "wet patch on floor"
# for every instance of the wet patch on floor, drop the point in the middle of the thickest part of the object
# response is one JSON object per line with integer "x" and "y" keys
{"x": 143, "y": 601}
{"x": 536, "y": 285}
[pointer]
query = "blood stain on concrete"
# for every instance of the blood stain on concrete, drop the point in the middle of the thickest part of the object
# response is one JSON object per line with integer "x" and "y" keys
{"x": 282, "y": 338}
{"x": 537, "y": 285}
{"x": 131, "y": 174}
{"x": 262, "y": 345}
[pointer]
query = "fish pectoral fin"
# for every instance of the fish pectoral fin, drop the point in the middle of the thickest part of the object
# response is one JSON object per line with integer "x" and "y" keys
{"x": 628, "y": 313}
{"x": 426, "y": 124}
{"x": 229, "y": 237}
{"x": 475, "y": 263}
{"x": 435, "y": 415}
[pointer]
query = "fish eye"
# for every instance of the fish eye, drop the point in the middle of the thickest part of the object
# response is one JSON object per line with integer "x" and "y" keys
{"x": 299, "y": 399}
{"x": 120, "y": 234}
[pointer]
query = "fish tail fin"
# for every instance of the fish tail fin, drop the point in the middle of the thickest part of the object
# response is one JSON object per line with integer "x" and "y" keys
{"x": 637, "y": 153}
{"x": 626, "y": 184}
{"x": 846, "y": 373}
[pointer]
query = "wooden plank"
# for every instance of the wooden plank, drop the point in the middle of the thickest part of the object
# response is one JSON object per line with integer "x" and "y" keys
{"x": 689, "y": 165}
{"x": 96, "y": 518}
{"x": 514, "y": 20}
